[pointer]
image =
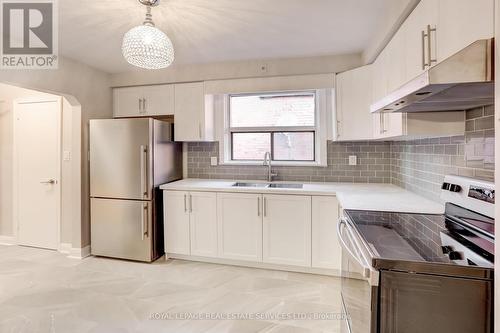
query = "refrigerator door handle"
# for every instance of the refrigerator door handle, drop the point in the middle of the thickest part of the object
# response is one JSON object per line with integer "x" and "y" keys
{"x": 145, "y": 221}
{"x": 144, "y": 171}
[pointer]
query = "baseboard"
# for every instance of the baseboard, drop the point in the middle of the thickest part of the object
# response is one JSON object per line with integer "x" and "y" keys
{"x": 8, "y": 240}
{"x": 74, "y": 252}
{"x": 287, "y": 268}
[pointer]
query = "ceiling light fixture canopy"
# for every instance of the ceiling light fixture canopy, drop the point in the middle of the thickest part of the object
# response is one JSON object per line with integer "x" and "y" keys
{"x": 146, "y": 46}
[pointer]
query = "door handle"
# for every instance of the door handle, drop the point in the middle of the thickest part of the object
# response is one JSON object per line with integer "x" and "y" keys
{"x": 144, "y": 220}
{"x": 49, "y": 182}
{"x": 185, "y": 203}
{"x": 144, "y": 172}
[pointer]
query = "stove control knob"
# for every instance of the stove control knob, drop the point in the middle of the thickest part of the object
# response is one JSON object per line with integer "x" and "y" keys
{"x": 455, "y": 255}
{"x": 446, "y": 249}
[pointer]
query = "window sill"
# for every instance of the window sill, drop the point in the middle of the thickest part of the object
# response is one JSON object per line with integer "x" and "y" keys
{"x": 275, "y": 163}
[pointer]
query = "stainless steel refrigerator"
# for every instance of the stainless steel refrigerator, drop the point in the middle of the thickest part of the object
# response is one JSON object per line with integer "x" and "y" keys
{"x": 129, "y": 160}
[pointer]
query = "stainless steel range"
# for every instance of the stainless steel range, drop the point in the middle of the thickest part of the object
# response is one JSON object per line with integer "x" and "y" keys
{"x": 410, "y": 273}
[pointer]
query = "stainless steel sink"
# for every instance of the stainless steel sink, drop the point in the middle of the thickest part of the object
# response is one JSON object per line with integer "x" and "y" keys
{"x": 267, "y": 185}
{"x": 278, "y": 185}
{"x": 250, "y": 184}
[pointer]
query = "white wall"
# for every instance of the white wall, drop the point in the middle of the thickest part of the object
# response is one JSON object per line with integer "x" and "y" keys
{"x": 240, "y": 69}
{"x": 91, "y": 88}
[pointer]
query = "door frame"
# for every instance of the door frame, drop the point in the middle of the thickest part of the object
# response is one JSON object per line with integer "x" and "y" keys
{"x": 15, "y": 161}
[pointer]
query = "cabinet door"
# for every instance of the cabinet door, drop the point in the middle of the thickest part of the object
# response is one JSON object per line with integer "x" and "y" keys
{"x": 417, "y": 47}
{"x": 326, "y": 252}
{"x": 159, "y": 100}
{"x": 127, "y": 102}
{"x": 176, "y": 220}
{"x": 462, "y": 22}
{"x": 353, "y": 104}
{"x": 379, "y": 77}
{"x": 189, "y": 111}
{"x": 396, "y": 60}
{"x": 287, "y": 230}
{"x": 203, "y": 223}
{"x": 239, "y": 217}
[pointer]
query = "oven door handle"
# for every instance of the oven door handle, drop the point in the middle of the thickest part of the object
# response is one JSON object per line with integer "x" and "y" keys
{"x": 343, "y": 244}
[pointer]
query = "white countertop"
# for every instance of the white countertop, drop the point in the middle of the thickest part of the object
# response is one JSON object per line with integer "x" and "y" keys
{"x": 380, "y": 197}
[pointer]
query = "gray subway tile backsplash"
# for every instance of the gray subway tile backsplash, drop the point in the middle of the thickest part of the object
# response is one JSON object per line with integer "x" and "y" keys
{"x": 417, "y": 165}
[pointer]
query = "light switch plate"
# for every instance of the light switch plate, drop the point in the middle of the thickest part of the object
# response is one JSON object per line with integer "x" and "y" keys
{"x": 353, "y": 160}
{"x": 213, "y": 161}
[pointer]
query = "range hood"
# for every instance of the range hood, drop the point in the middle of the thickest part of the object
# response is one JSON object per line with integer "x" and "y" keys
{"x": 463, "y": 81}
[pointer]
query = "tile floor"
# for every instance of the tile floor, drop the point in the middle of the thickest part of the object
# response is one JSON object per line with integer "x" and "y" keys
{"x": 43, "y": 291}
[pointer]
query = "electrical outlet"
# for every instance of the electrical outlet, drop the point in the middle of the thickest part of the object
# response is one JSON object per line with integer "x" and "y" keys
{"x": 213, "y": 161}
{"x": 353, "y": 160}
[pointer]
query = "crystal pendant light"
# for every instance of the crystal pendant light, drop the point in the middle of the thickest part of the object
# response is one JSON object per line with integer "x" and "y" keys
{"x": 146, "y": 46}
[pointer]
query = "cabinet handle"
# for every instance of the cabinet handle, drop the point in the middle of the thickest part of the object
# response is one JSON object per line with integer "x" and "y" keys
{"x": 258, "y": 206}
{"x": 190, "y": 203}
{"x": 144, "y": 107}
{"x": 424, "y": 63}
{"x": 265, "y": 207}
{"x": 185, "y": 203}
{"x": 429, "y": 44}
{"x": 140, "y": 105}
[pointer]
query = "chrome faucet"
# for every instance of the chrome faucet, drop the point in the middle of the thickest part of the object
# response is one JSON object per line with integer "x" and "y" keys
{"x": 268, "y": 163}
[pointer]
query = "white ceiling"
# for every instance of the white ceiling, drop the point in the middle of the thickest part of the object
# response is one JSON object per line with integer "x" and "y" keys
{"x": 205, "y": 31}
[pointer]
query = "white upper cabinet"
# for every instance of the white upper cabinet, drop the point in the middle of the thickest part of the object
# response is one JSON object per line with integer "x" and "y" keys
{"x": 194, "y": 113}
{"x": 462, "y": 22}
{"x": 417, "y": 28}
{"x": 159, "y": 100}
{"x": 353, "y": 99}
{"x": 379, "y": 77}
{"x": 419, "y": 124}
{"x": 395, "y": 57}
{"x": 143, "y": 101}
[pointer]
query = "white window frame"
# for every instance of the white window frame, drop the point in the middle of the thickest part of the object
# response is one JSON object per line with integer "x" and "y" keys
{"x": 320, "y": 129}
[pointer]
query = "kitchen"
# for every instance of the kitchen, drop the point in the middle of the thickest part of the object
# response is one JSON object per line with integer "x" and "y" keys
{"x": 242, "y": 187}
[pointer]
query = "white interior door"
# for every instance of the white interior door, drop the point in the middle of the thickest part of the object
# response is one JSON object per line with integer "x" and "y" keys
{"x": 37, "y": 171}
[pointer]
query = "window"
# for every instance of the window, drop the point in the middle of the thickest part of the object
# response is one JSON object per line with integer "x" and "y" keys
{"x": 284, "y": 124}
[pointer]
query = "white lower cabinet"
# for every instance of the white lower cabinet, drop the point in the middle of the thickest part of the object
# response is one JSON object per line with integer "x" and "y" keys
{"x": 256, "y": 228}
{"x": 190, "y": 223}
{"x": 203, "y": 223}
{"x": 287, "y": 230}
{"x": 239, "y": 217}
{"x": 176, "y": 215}
{"x": 326, "y": 251}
